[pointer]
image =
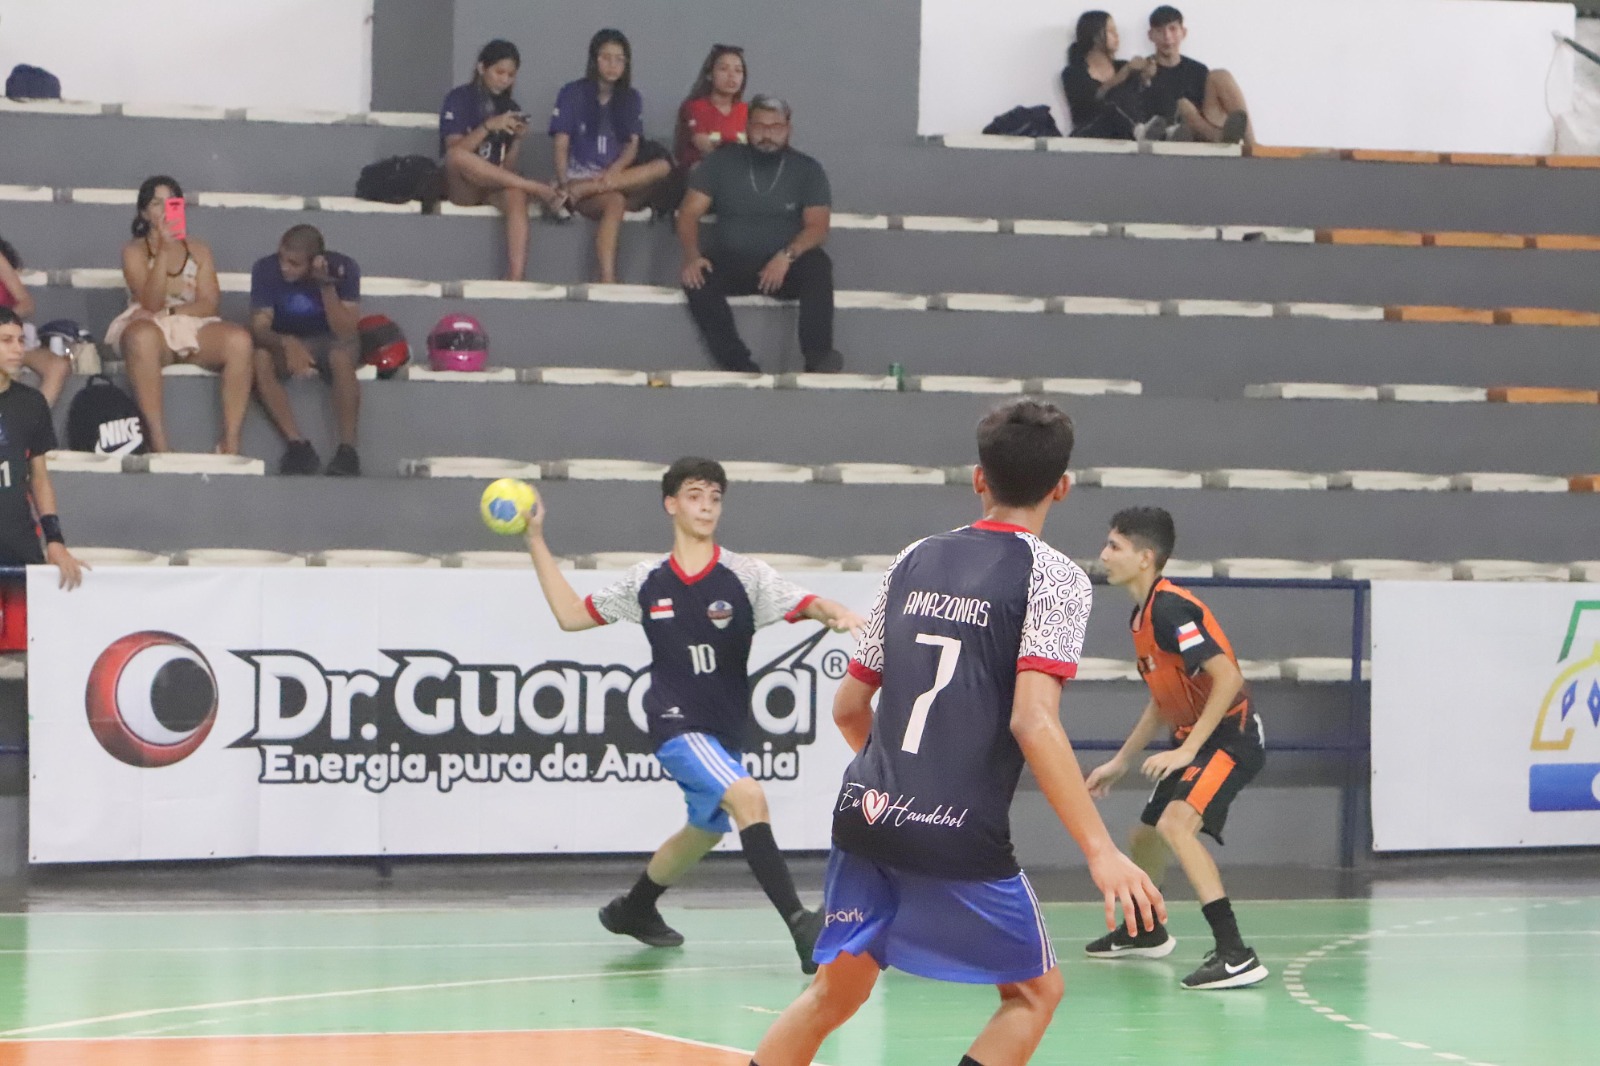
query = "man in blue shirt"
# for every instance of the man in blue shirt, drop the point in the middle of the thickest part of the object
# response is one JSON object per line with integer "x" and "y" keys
{"x": 304, "y": 310}
{"x": 700, "y": 607}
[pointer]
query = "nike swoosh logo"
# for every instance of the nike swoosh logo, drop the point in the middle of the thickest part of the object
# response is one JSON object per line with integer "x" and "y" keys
{"x": 1245, "y": 965}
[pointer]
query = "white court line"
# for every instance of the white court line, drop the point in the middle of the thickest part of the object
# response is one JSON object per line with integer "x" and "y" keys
{"x": 381, "y": 990}
{"x": 525, "y": 945}
{"x": 288, "y": 906}
{"x": 1294, "y": 974}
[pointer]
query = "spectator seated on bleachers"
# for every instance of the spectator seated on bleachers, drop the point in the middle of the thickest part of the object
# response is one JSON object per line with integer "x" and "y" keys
{"x": 172, "y": 317}
{"x": 304, "y": 310}
{"x": 714, "y": 113}
{"x": 53, "y": 370}
{"x": 1103, "y": 92}
{"x": 773, "y": 207}
{"x": 603, "y": 163}
{"x": 480, "y": 137}
{"x": 1195, "y": 102}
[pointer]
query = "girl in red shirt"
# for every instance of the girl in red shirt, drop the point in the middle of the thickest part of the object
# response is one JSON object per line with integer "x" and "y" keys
{"x": 715, "y": 112}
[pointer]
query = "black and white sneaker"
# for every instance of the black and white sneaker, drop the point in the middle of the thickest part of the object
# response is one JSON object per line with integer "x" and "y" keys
{"x": 1221, "y": 971}
{"x": 805, "y": 927}
{"x": 645, "y": 926}
{"x": 1149, "y": 944}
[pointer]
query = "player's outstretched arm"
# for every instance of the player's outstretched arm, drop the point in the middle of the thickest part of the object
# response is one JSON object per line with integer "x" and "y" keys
{"x": 1226, "y": 684}
{"x": 1036, "y": 724}
{"x": 55, "y": 551}
{"x": 836, "y": 616}
{"x": 565, "y": 603}
{"x": 1103, "y": 777}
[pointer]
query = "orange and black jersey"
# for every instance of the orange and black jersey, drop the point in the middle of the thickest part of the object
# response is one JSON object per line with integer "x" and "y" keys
{"x": 1174, "y": 635}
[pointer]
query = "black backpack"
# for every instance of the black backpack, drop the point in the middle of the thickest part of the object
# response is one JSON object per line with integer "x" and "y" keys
{"x": 32, "y": 83}
{"x": 400, "y": 179}
{"x": 105, "y": 420}
{"x": 1025, "y": 122}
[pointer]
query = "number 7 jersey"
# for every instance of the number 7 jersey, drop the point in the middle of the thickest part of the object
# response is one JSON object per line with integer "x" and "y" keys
{"x": 957, "y": 617}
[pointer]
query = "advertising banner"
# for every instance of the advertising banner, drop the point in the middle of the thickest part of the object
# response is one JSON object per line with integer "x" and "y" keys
{"x": 193, "y": 713}
{"x": 1485, "y": 715}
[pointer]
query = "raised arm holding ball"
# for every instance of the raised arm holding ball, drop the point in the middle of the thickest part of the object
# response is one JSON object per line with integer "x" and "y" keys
{"x": 700, "y": 607}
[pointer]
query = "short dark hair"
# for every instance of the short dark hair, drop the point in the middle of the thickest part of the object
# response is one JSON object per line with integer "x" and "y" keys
{"x": 1024, "y": 447}
{"x": 1163, "y": 15}
{"x": 304, "y": 238}
{"x": 10, "y": 252}
{"x": 8, "y": 317}
{"x": 693, "y": 468}
{"x": 1148, "y": 527}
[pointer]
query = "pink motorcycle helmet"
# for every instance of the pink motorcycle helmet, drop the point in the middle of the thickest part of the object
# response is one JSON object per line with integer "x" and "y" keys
{"x": 458, "y": 342}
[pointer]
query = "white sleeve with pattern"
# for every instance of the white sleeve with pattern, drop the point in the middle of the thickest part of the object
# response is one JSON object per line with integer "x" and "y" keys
{"x": 773, "y": 597}
{"x": 619, "y": 601}
{"x": 1059, "y": 600}
{"x": 867, "y": 663}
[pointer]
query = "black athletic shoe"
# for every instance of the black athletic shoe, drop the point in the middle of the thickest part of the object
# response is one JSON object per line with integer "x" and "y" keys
{"x": 645, "y": 926}
{"x": 300, "y": 458}
{"x": 1220, "y": 971}
{"x": 1117, "y": 944}
{"x": 830, "y": 362}
{"x": 805, "y": 927}
{"x": 345, "y": 463}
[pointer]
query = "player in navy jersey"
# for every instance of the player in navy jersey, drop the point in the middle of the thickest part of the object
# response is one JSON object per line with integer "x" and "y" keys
{"x": 700, "y": 607}
{"x": 971, "y": 638}
{"x": 27, "y": 498}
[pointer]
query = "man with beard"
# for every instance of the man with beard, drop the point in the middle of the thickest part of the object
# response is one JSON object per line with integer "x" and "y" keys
{"x": 773, "y": 206}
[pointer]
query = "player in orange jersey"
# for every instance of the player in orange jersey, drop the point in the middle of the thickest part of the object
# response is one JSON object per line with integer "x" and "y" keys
{"x": 1197, "y": 691}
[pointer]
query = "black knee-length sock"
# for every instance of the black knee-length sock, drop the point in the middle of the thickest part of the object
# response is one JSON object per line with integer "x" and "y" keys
{"x": 771, "y": 871}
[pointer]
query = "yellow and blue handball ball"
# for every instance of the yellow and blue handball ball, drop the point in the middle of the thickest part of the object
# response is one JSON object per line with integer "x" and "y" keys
{"x": 505, "y": 504}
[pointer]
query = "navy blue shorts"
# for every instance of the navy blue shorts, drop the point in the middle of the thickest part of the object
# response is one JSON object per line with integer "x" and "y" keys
{"x": 972, "y": 932}
{"x": 704, "y": 769}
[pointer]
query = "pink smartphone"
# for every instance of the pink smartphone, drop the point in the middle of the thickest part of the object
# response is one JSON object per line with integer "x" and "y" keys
{"x": 176, "y": 222}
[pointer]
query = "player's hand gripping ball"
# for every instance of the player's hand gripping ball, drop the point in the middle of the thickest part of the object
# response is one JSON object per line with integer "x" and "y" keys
{"x": 505, "y": 506}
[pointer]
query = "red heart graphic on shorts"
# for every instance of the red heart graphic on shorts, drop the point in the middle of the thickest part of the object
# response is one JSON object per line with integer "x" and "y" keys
{"x": 874, "y": 804}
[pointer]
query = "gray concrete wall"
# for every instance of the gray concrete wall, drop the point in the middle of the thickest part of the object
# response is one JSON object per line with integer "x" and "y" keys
{"x": 848, "y": 68}
{"x": 411, "y": 53}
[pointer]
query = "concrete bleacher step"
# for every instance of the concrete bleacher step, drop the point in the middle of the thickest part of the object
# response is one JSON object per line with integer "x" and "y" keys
{"x": 990, "y": 303}
{"x": 1511, "y": 570}
{"x": 1392, "y": 570}
{"x": 346, "y": 558}
{"x": 236, "y": 557}
{"x": 1258, "y": 569}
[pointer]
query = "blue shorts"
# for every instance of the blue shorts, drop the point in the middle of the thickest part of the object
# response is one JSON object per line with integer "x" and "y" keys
{"x": 973, "y": 932}
{"x": 704, "y": 769}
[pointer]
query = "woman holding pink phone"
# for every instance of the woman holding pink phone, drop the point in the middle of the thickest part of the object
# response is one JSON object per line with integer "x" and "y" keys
{"x": 172, "y": 314}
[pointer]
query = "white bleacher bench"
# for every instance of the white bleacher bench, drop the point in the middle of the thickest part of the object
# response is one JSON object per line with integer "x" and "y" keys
{"x": 1511, "y": 570}
{"x": 236, "y": 557}
{"x": 373, "y": 557}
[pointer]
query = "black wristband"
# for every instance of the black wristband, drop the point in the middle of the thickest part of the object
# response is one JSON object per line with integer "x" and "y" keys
{"x": 51, "y": 526}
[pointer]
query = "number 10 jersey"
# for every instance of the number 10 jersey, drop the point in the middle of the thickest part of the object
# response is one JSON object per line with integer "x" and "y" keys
{"x": 957, "y": 617}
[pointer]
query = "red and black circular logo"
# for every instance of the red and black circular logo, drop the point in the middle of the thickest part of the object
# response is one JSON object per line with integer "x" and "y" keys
{"x": 152, "y": 699}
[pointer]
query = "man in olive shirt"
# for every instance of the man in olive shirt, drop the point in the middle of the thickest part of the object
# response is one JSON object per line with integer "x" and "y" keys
{"x": 773, "y": 204}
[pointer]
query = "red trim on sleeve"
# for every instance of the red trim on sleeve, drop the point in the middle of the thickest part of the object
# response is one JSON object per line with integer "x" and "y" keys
{"x": 999, "y": 527}
{"x": 588, "y": 605}
{"x": 1053, "y": 667}
{"x": 865, "y": 674}
{"x": 688, "y": 578}
{"x": 799, "y": 611}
